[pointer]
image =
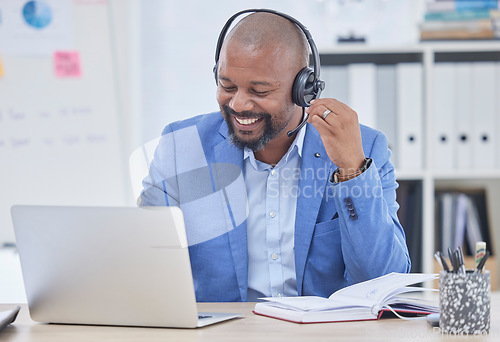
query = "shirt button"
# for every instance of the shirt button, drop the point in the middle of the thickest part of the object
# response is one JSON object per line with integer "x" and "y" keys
{"x": 272, "y": 214}
{"x": 274, "y": 256}
{"x": 273, "y": 172}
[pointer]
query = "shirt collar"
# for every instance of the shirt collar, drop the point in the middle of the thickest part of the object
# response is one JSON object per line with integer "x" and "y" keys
{"x": 297, "y": 142}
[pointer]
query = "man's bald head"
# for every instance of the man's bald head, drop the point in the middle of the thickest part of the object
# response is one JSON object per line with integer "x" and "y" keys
{"x": 258, "y": 63}
{"x": 263, "y": 30}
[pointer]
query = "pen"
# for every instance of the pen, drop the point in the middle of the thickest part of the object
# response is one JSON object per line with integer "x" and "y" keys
{"x": 452, "y": 260}
{"x": 456, "y": 258}
{"x": 437, "y": 256}
{"x": 461, "y": 263}
{"x": 444, "y": 264}
{"x": 482, "y": 262}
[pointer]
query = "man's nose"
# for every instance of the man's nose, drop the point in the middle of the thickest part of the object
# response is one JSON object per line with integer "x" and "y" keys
{"x": 241, "y": 102}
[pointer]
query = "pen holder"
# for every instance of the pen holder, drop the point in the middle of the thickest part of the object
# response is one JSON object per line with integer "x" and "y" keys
{"x": 464, "y": 301}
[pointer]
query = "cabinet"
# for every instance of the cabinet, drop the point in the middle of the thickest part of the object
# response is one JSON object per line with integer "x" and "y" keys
{"x": 435, "y": 169}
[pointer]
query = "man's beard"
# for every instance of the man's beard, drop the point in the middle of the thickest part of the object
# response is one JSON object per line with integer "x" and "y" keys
{"x": 270, "y": 130}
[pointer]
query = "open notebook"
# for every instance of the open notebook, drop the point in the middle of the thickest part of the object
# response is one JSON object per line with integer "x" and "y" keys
{"x": 363, "y": 301}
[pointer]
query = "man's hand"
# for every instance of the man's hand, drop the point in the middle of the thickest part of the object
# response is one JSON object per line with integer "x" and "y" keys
{"x": 340, "y": 133}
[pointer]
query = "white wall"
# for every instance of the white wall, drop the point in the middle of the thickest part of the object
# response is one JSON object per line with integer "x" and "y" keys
{"x": 161, "y": 58}
{"x": 61, "y": 137}
{"x": 178, "y": 39}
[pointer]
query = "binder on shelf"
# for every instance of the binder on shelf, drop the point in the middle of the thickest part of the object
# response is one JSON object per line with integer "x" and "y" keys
{"x": 443, "y": 116}
{"x": 474, "y": 230}
{"x": 410, "y": 125}
{"x": 336, "y": 80}
{"x": 446, "y": 203}
{"x": 479, "y": 199}
{"x": 362, "y": 92}
{"x": 386, "y": 106}
{"x": 497, "y": 114}
{"x": 462, "y": 219}
{"x": 464, "y": 118}
{"x": 484, "y": 93}
{"x": 326, "y": 71}
{"x": 409, "y": 194}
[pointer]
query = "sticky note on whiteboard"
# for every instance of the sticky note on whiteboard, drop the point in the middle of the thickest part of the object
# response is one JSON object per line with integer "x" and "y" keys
{"x": 1, "y": 67}
{"x": 67, "y": 64}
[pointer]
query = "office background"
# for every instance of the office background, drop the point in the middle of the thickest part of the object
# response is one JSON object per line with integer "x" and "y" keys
{"x": 80, "y": 91}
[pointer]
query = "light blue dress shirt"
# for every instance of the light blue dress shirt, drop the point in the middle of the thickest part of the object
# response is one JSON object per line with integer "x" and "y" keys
{"x": 272, "y": 200}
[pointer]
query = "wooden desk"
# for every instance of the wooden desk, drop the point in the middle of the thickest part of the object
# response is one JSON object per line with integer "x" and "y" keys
{"x": 249, "y": 328}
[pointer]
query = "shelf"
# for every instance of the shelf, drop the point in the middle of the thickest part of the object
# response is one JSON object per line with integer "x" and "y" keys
{"x": 363, "y": 49}
{"x": 465, "y": 46}
{"x": 466, "y": 175}
{"x": 449, "y": 175}
{"x": 409, "y": 175}
{"x": 341, "y": 62}
{"x": 438, "y": 46}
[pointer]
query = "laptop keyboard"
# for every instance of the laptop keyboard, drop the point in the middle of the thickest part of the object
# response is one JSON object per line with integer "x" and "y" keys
{"x": 203, "y": 317}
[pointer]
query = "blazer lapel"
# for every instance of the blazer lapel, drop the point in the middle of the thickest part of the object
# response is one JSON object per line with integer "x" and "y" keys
{"x": 315, "y": 170}
{"x": 227, "y": 172}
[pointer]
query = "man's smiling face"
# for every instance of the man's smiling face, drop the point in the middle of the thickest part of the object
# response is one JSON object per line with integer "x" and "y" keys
{"x": 254, "y": 93}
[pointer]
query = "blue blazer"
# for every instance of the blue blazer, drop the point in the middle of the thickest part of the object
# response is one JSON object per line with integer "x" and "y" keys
{"x": 344, "y": 233}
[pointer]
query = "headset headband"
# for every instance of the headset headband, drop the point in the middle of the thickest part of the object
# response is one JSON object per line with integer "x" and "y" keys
{"x": 314, "y": 50}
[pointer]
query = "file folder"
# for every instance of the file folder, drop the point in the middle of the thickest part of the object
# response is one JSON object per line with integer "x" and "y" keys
{"x": 386, "y": 103}
{"x": 336, "y": 80}
{"x": 443, "y": 113}
{"x": 484, "y": 93}
{"x": 464, "y": 117}
{"x": 497, "y": 114}
{"x": 410, "y": 125}
{"x": 362, "y": 92}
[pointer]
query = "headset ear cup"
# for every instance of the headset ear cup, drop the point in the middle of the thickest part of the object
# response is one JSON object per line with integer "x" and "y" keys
{"x": 303, "y": 88}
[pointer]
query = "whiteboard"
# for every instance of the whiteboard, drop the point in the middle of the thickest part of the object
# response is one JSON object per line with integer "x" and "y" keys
{"x": 60, "y": 137}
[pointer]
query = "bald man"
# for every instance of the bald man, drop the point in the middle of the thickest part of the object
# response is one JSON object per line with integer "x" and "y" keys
{"x": 267, "y": 214}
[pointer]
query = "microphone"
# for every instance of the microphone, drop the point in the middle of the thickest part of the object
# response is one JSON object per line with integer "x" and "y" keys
{"x": 296, "y": 129}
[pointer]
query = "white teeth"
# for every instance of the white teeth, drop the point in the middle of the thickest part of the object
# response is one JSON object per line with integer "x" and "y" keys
{"x": 246, "y": 121}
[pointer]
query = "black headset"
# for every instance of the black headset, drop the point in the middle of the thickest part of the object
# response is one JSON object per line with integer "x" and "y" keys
{"x": 307, "y": 86}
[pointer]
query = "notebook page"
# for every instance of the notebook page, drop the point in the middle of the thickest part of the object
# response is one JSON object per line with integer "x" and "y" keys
{"x": 373, "y": 291}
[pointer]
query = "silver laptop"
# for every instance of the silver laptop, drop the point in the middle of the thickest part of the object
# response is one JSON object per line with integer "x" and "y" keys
{"x": 108, "y": 266}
